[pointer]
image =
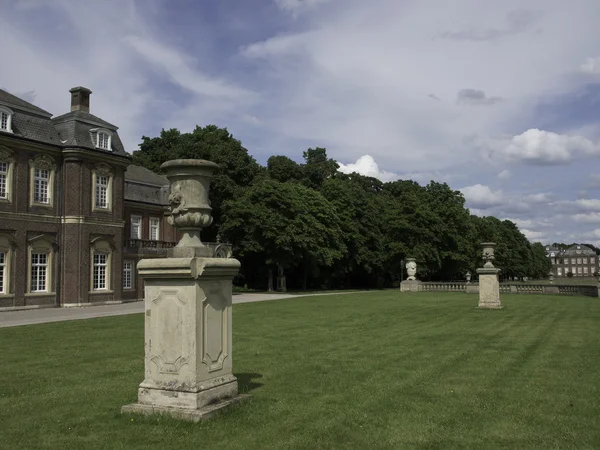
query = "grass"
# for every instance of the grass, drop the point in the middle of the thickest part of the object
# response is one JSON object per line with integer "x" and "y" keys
{"x": 382, "y": 370}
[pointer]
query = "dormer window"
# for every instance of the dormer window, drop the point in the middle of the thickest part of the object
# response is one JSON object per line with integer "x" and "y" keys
{"x": 103, "y": 140}
{"x": 5, "y": 119}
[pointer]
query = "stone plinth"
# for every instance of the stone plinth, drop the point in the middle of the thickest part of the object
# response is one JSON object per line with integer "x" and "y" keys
{"x": 411, "y": 286}
{"x": 188, "y": 366}
{"x": 489, "y": 288}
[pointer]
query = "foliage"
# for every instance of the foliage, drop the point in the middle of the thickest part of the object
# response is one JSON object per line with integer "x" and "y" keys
{"x": 570, "y": 274}
{"x": 333, "y": 230}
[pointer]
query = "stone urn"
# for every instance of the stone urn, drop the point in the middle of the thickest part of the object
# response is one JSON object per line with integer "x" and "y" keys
{"x": 468, "y": 277}
{"x": 411, "y": 268}
{"x": 488, "y": 254}
{"x": 189, "y": 204}
{"x": 551, "y": 276}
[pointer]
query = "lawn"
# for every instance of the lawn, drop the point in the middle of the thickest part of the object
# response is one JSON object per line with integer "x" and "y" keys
{"x": 382, "y": 370}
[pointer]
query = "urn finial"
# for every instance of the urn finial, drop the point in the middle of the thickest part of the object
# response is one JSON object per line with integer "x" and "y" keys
{"x": 189, "y": 203}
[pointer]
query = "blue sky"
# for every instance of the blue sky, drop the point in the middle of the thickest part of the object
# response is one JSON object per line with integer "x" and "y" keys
{"x": 499, "y": 99}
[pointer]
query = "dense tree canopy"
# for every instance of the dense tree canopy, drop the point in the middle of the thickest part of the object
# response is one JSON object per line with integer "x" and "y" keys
{"x": 330, "y": 229}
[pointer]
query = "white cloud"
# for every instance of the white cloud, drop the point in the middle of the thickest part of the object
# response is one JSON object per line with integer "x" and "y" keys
{"x": 296, "y": 6}
{"x": 591, "y": 66}
{"x": 366, "y": 165}
{"x": 504, "y": 175}
{"x": 481, "y": 196}
{"x": 540, "y": 197}
{"x": 536, "y": 146}
{"x": 534, "y": 236}
{"x": 588, "y": 204}
{"x": 587, "y": 218}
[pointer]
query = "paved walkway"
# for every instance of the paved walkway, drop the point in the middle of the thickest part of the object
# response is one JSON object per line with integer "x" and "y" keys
{"x": 45, "y": 315}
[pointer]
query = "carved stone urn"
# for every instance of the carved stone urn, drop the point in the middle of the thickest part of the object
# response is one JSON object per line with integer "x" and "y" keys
{"x": 411, "y": 268}
{"x": 488, "y": 253}
{"x": 551, "y": 276}
{"x": 189, "y": 204}
{"x": 468, "y": 277}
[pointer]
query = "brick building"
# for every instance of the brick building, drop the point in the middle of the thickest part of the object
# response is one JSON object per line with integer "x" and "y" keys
{"x": 578, "y": 259}
{"x": 75, "y": 215}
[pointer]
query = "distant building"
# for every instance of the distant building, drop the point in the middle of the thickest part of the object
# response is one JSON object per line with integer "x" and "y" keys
{"x": 578, "y": 259}
{"x": 75, "y": 215}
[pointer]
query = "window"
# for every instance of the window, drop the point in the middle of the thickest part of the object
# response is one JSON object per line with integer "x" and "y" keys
{"x": 100, "y": 265}
{"x": 40, "y": 185}
{"x": 5, "y": 119}
{"x": 39, "y": 272}
{"x": 592, "y": 261}
{"x": 559, "y": 272}
{"x": 101, "y": 191}
{"x": 154, "y": 229}
{"x": 136, "y": 227}
{"x": 101, "y": 251}
{"x": 573, "y": 261}
{"x": 2, "y": 272}
{"x": 578, "y": 260}
{"x": 42, "y": 180}
{"x": 3, "y": 180}
{"x": 127, "y": 274}
{"x": 103, "y": 138}
{"x": 579, "y": 270}
{"x": 585, "y": 270}
{"x": 102, "y": 179}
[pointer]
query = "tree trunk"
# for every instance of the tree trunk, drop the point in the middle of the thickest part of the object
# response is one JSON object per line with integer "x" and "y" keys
{"x": 270, "y": 287}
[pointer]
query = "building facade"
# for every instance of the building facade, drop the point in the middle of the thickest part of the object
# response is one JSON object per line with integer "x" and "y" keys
{"x": 579, "y": 259}
{"x": 75, "y": 215}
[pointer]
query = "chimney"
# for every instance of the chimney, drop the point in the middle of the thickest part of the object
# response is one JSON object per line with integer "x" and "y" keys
{"x": 80, "y": 99}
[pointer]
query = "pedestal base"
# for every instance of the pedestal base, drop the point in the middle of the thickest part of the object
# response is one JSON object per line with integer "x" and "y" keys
{"x": 489, "y": 288}
{"x": 191, "y": 415}
{"x": 411, "y": 286}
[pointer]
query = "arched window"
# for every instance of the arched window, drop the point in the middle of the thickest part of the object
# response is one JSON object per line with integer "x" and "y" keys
{"x": 41, "y": 184}
{"x": 7, "y": 163}
{"x": 102, "y": 181}
{"x": 101, "y": 253}
{"x": 41, "y": 264}
{"x": 6, "y": 116}
{"x": 7, "y": 245}
{"x": 103, "y": 138}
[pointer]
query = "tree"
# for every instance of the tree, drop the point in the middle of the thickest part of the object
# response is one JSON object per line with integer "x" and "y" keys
{"x": 237, "y": 167}
{"x": 286, "y": 224}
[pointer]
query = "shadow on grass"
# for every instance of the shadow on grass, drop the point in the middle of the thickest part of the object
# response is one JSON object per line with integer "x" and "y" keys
{"x": 246, "y": 382}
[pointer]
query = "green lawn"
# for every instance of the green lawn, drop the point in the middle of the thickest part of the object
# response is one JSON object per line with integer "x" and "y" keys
{"x": 358, "y": 371}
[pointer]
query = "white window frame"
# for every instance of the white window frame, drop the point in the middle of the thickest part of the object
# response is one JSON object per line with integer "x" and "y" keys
{"x": 4, "y": 111}
{"x": 154, "y": 227}
{"x": 585, "y": 270}
{"x": 103, "y": 139}
{"x": 139, "y": 229}
{"x": 101, "y": 247}
{"x": 592, "y": 260}
{"x": 36, "y": 269}
{"x": 40, "y": 245}
{"x": 101, "y": 191}
{"x": 6, "y": 174}
{"x": 3, "y": 265}
{"x": 128, "y": 274}
{"x": 41, "y": 185}
{"x": 579, "y": 261}
{"x": 46, "y": 163}
{"x": 100, "y": 271}
{"x": 559, "y": 272}
{"x": 579, "y": 271}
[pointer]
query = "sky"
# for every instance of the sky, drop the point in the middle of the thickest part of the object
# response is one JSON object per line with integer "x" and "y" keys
{"x": 501, "y": 100}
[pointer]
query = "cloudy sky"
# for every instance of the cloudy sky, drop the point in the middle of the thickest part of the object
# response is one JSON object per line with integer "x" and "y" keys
{"x": 499, "y": 99}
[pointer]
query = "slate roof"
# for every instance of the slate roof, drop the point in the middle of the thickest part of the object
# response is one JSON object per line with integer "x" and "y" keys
{"x": 15, "y": 102}
{"x": 75, "y": 128}
{"x": 578, "y": 249}
{"x": 29, "y": 121}
{"x": 143, "y": 185}
{"x": 72, "y": 129}
{"x": 143, "y": 175}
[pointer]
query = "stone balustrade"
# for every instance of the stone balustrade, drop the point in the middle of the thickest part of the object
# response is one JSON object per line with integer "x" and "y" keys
{"x": 508, "y": 288}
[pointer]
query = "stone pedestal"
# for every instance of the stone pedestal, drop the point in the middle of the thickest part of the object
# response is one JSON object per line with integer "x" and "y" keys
{"x": 411, "y": 286}
{"x": 489, "y": 288}
{"x": 188, "y": 367}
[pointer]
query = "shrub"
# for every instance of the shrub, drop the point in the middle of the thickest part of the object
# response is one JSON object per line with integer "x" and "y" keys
{"x": 570, "y": 274}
